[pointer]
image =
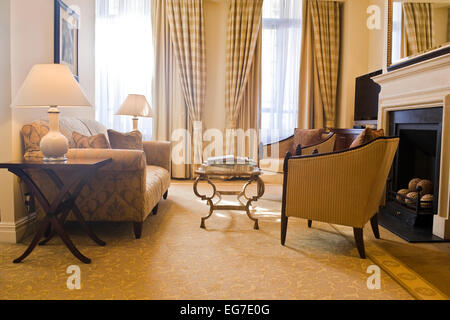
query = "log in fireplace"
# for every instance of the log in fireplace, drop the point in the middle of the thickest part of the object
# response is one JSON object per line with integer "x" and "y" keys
{"x": 411, "y": 215}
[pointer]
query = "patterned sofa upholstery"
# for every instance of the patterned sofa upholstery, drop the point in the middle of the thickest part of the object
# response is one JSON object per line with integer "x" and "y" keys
{"x": 127, "y": 189}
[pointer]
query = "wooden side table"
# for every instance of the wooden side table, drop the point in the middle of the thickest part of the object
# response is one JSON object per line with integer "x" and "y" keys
{"x": 80, "y": 170}
{"x": 206, "y": 173}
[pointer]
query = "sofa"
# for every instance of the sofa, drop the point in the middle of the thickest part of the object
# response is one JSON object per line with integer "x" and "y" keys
{"x": 127, "y": 189}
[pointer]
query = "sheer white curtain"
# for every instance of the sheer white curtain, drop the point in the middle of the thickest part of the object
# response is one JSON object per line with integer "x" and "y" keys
{"x": 281, "y": 43}
{"x": 124, "y": 60}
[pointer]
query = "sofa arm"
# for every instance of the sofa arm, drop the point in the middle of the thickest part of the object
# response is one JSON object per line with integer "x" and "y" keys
{"x": 122, "y": 160}
{"x": 158, "y": 153}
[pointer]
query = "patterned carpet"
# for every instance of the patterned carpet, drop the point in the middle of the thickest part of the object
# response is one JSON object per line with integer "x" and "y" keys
{"x": 175, "y": 259}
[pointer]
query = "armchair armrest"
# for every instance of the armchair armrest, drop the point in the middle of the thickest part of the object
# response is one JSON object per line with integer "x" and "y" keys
{"x": 122, "y": 160}
{"x": 158, "y": 153}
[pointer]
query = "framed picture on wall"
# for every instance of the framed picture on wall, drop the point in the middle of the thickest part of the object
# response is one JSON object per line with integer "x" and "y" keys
{"x": 67, "y": 24}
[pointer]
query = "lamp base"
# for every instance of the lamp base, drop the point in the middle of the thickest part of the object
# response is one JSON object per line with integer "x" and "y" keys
{"x": 53, "y": 159}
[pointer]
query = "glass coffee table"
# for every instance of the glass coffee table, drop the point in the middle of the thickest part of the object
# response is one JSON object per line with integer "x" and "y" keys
{"x": 250, "y": 174}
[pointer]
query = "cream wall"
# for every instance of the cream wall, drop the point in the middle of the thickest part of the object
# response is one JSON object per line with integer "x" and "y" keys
{"x": 31, "y": 40}
{"x": 376, "y": 40}
{"x": 440, "y": 24}
{"x": 6, "y": 179}
{"x": 362, "y": 52}
{"x": 354, "y": 57}
{"x": 216, "y": 15}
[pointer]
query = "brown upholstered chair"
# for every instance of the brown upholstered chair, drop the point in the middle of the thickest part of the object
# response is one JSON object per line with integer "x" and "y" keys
{"x": 274, "y": 152}
{"x": 342, "y": 188}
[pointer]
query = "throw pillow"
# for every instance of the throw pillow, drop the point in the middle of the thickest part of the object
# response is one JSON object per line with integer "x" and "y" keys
{"x": 307, "y": 137}
{"x": 366, "y": 136}
{"x": 131, "y": 140}
{"x": 98, "y": 141}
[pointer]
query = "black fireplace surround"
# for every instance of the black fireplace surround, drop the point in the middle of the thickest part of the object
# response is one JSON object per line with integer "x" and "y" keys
{"x": 418, "y": 156}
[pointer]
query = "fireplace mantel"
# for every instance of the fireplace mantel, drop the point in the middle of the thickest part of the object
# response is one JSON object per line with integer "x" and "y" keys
{"x": 423, "y": 85}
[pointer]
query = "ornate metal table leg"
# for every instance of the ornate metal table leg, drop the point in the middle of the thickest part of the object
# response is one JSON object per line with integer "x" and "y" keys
{"x": 202, "y": 224}
{"x": 204, "y": 197}
{"x": 260, "y": 193}
{"x": 256, "y": 225}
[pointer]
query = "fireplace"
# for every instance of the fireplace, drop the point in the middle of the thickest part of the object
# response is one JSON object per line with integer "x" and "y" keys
{"x": 409, "y": 213}
{"x": 422, "y": 86}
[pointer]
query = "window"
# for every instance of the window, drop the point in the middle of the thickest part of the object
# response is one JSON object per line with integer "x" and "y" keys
{"x": 124, "y": 60}
{"x": 281, "y": 45}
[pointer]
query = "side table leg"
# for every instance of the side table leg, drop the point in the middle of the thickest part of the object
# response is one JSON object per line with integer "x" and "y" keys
{"x": 42, "y": 228}
{"x": 86, "y": 227}
{"x": 65, "y": 238}
{"x": 202, "y": 225}
{"x": 247, "y": 210}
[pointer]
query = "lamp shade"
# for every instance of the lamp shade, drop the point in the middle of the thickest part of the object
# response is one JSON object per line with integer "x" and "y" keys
{"x": 135, "y": 105}
{"x": 50, "y": 85}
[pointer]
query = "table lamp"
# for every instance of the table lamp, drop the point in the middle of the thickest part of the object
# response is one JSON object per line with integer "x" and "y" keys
{"x": 51, "y": 85}
{"x": 135, "y": 105}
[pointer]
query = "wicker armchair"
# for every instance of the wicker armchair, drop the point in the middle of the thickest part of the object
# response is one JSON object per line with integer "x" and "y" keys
{"x": 351, "y": 181}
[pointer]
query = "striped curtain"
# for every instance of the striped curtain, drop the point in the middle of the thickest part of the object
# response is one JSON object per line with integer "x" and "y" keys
{"x": 325, "y": 18}
{"x": 244, "y": 22}
{"x": 187, "y": 31}
{"x": 418, "y": 23}
{"x": 170, "y": 114}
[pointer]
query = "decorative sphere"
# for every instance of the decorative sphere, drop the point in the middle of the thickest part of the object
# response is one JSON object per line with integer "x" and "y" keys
{"x": 412, "y": 186}
{"x": 403, "y": 192}
{"x": 427, "y": 197}
{"x": 413, "y": 198}
{"x": 427, "y": 187}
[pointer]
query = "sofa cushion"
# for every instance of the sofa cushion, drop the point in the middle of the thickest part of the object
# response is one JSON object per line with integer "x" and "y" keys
{"x": 131, "y": 140}
{"x": 98, "y": 141}
{"x": 307, "y": 137}
{"x": 95, "y": 127}
{"x": 366, "y": 136}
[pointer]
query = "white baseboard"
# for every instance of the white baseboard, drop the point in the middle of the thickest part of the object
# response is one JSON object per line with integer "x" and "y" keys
{"x": 16, "y": 231}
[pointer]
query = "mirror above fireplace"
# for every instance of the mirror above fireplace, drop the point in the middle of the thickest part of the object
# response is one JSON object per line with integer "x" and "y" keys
{"x": 417, "y": 30}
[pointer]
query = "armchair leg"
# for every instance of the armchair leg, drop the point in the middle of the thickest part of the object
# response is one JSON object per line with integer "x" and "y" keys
{"x": 137, "y": 227}
{"x": 284, "y": 223}
{"x": 309, "y": 223}
{"x": 359, "y": 239}
{"x": 165, "y": 195}
{"x": 374, "y": 224}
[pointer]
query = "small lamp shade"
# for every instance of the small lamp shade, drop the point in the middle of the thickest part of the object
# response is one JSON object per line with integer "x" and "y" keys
{"x": 50, "y": 85}
{"x": 135, "y": 105}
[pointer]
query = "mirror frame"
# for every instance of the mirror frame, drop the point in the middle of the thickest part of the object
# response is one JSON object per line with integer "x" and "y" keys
{"x": 433, "y": 53}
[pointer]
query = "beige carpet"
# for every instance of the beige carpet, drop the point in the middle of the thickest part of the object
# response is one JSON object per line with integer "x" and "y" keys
{"x": 175, "y": 259}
